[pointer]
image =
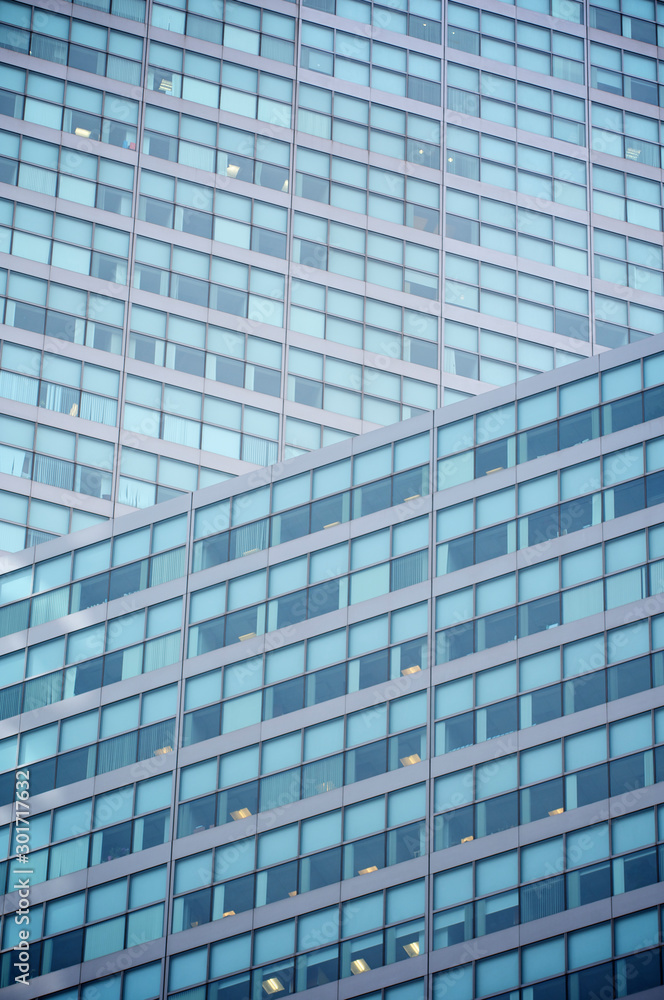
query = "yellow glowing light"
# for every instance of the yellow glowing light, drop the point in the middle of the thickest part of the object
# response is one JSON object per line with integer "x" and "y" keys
{"x": 241, "y": 813}
{"x": 272, "y": 985}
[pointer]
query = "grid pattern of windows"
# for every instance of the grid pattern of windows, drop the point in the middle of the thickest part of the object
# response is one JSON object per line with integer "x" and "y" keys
{"x": 553, "y": 53}
{"x": 81, "y": 45}
{"x": 86, "y": 112}
{"x": 631, "y": 20}
{"x": 241, "y": 26}
{"x": 404, "y": 72}
{"x": 367, "y": 125}
{"x": 365, "y": 714}
{"x": 257, "y": 823}
{"x": 481, "y": 94}
{"x": 65, "y": 242}
{"x": 418, "y": 18}
{"x": 250, "y": 139}
{"x": 516, "y": 166}
{"x": 80, "y": 177}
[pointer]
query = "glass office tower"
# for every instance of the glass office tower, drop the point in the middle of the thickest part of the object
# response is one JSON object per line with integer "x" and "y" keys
{"x": 223, "y": 241}
{"x": 384, "y": 722}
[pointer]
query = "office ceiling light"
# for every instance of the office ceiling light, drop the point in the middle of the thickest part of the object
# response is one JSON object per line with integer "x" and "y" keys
{"x": 366, "y": 871}
{"x": 228, "y": 913}
{"x": 412, "y": 948}
{"x": 413, "y": 759}
{"x": 247, "y": 635}
{"x": 166, "y": 85}
{"x": 284, "y": 186}
{"x": 358, "y": 966}
{"x": 162, "y": 750}
{"x": 556, "y": 812}
{"x": 325, "y": 786}
{"x": 466, "y": 840}
{"x": 272, "y": 985}
{"x": 74, "y": 410}
{"x": 84, "y": 133}
{"x": 415, "y": 669}
{"x": 293, "y": 893}
{"x": 232, "y": 170}
{"x": 241, "y": 813}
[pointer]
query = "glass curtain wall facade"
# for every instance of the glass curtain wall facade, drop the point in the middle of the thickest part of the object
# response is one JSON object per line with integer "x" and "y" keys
{"x": 381, "y": 723}
{"x": 233, "y": 233}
